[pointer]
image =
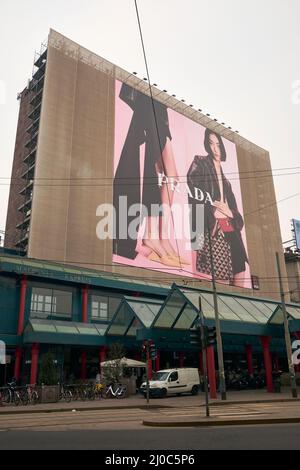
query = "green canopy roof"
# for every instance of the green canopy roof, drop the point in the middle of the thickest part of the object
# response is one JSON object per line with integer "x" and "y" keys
{"x": 79, "y": 275}
{"x": 132, "y": 314}
{"x": 238, "y": 314}
{"x": 63, "y": 332}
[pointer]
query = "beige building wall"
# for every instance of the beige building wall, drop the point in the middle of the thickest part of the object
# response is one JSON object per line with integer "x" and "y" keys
{"x": 74, "y": 170}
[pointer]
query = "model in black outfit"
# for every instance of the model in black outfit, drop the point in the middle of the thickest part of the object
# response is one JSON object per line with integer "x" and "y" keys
{"x": 206, "y": 174}
{"x": 158, "y": 159}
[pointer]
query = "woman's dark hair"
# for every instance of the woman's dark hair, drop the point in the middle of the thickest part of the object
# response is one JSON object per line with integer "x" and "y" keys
{"x": 208, "y": 133}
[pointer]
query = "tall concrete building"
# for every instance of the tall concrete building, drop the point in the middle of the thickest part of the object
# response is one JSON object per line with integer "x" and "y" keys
{"x": 67, "y": 154}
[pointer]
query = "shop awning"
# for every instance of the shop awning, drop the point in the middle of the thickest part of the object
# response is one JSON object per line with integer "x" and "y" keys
{"x": 293, "y": 313}
{"x": 238, "y": 314}
{"x": 79, "y": 275}
{"x": 60, "y": 332}
{"x": 133, "y": 313}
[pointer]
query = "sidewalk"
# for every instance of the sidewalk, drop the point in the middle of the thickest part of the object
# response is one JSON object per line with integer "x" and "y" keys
{"x": 232, "y": 415}
{"x": 256, "y": 396}
{"x": 137, "y": 401}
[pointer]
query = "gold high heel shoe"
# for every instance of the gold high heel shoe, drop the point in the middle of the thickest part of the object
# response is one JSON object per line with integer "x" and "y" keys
{"x": 179, "y": 259}
{"x": 166, "y": 260}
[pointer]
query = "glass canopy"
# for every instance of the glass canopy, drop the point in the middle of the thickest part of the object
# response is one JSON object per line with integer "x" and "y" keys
{"x": 133, "y": 313}
{"x": 48, "y": 326}
{"x": 180, "y": 309}
{"x": 178, "y": 312}
{"x": 293, "y": 314}
{"x": 172, "y": 308}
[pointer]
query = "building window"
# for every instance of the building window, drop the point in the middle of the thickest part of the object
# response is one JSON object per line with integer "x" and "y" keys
{"x": 103, "y": 308}
{"x": 255, "y": 282}
{"x": 50, "y": 304}
{"x": 114, "y": 303}
{"x": 100, "y": 308}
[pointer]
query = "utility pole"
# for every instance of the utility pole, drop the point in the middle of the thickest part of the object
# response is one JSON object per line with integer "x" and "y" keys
{"x": 147, "y": 371}
{"x": 203, "y": 346}
{"x": 287, "y": 333}
{"x": 218, "y": 326}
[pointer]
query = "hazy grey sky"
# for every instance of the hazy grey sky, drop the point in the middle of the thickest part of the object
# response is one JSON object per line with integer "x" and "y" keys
{"x": 238, "y": 60}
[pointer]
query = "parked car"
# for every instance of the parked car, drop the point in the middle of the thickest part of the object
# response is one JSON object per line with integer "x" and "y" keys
{"x": 173, "y": 382}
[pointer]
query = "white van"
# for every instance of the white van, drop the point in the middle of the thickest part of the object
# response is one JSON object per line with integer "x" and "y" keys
{"x": 173, "y": 382}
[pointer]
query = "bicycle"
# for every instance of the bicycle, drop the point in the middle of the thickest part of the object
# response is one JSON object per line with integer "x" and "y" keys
{"x": 98, "y": 390}
{"x": 90, "y": 391}
{"x": 74, "y": 390}
{"x": 82, "y": 392}
{"x": 65, "y": 394}
{"x": 119, "y": 391}
{"x": 12, "y": 395}
{"x": 31, "y": 394}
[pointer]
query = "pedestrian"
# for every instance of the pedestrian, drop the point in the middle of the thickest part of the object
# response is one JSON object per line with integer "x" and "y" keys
{"x": 98, "y": 378}
{"x": 99, "y": 385}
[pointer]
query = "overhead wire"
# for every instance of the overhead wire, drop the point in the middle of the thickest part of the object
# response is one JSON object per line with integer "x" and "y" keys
{"x": 156, "y": 124}
{"x": 269, "y": 174}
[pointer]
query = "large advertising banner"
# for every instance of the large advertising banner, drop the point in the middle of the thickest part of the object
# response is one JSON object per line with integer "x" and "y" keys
{"x": 296, "y": 225}
{"x": 177, "y": 195}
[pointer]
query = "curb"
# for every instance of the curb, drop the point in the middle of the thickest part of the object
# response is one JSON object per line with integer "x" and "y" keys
{"x": 143, "y": 407}
{"x": 205, "y": 424}
{"x": 92, "y": 408}
{"x": 249, "y": 402}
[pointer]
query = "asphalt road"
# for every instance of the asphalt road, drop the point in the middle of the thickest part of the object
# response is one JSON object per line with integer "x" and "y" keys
{"x": 139, "y": 438}
{"x": 122, "y": 429}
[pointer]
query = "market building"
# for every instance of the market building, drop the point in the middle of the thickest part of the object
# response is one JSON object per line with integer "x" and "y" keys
{"x": 89, "y": 134}
{"x": 71, "y": 158}
{"x": 78, "y": 313}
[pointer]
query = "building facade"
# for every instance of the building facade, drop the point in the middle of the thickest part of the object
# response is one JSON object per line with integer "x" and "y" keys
{"x": 65, "y": 164}
{"x": 78, "y": 313}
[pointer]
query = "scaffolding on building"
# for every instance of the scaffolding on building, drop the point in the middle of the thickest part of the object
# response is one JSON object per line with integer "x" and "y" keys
{"x": 35, "y": 89}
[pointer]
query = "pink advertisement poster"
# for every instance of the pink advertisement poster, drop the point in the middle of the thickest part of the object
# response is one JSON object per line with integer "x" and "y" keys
{"x": 177, "y": 195}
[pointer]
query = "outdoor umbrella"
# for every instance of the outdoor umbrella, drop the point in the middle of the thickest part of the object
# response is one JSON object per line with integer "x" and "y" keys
{"x": 126, "y": 362}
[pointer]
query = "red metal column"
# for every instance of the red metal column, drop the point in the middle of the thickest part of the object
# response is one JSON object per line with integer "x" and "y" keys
{"x": 18, "y": 358}
{"x": 83, "y": 366}
{"x": 150, "y": 369}
{"x": 85, "y": 292}
{"x": 249, "y": 359}
{"x": 157, "y": 360}
{"x": 34, "y": 363}
{"x": 102, "y": 354}
{"x": 20, "y": 328}
{"x": 22, "y": 306}
{"x": 211, "y": 371}
{"x": 265, "y": 342}
{"x": 181, "y": 359}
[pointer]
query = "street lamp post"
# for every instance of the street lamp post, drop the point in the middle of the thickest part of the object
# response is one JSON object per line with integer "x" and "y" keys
{"x": 287, "y": 334}
{"x": 218, "y": 326}
{"x": 203, "y": 348}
